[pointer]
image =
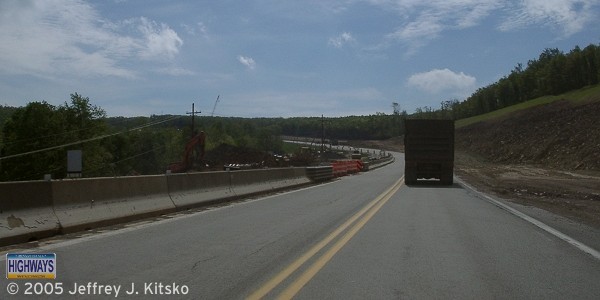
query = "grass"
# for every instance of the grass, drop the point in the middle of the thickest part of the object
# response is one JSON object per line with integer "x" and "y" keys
{"x": 292, "y": 147}
{"x": 577, "y": 97}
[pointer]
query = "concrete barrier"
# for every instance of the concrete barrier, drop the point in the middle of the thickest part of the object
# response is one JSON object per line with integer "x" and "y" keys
{"x": 37, "y": 209}
{"x": 250, "y": 182}
{"x": 287, "y": 177}
{"x": 87, "y": 203}
{"x": 26, "y": 212}
{"x": 382, "y": 162}
{"x": 194, "y": 189}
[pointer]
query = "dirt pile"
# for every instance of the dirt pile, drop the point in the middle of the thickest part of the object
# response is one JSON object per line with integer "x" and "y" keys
{"x": 557, "y": 135}
{"x": 225, "y": 154}
{"x": 248, "y": 158}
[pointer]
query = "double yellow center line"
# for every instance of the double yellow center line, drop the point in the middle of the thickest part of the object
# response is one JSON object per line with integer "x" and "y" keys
{"x": 357, "y": 221}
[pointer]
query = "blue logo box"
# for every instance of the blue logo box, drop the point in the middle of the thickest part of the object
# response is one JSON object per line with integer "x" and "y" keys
{"x": 31, "y": 265}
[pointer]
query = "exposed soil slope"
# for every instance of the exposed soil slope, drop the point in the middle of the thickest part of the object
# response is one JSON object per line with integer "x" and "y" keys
{"x": 547, "y": 156}
{"x": 557, "y": 135}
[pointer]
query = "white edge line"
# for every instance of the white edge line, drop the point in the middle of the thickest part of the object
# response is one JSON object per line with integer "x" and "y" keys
{"x": 579, "y": 245}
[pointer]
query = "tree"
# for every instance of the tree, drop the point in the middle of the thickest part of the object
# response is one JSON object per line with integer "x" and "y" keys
{"x": 85, "y": 121}
{"x": 396, "y": 108}
{"x": 268, "y": 139}
{"x": 552, "y": 73}
{"x": 31, "y": 128}
{"x": 39, "y": 126}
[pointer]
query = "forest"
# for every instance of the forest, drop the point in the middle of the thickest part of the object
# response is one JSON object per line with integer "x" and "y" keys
{"x": 552, "y": 73}
{"x": 34, "y": 138}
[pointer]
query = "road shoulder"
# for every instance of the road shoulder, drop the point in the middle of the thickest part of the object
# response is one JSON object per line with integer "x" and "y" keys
{"x": 552, "y": 199}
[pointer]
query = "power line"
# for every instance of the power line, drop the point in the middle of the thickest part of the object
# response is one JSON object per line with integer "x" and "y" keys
{"x": 58, "y": 134}
{"x": 127, "y": 158}
{"x": 87, "y": 140}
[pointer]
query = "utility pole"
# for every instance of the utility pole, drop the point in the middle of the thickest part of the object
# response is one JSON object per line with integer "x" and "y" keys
{"x": 322, "y": 134}
{"x": 193, "y": 112}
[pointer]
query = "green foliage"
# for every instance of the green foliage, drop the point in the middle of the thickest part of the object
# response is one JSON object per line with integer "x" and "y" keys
{"x": 292, "y": 147}
{"x": 128, "y": 146}
{"x": 268, "y": 139}
{"x": 581, "y": 96}
{"x": 21, "y": 133}
{"x": 40, "y": 125}
{"x": 111, "y": 147}
{"x": 553, "y": 73}
{"x": 86, "y": 121}
{"x": 5, "y": 113}
{"x": 379, "y": 126}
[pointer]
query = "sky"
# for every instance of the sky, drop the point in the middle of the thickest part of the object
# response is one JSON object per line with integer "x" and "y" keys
{"x": 275, "y": 58}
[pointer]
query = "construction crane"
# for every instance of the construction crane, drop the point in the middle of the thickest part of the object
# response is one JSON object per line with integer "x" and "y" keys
{"x": 215, "y": 107}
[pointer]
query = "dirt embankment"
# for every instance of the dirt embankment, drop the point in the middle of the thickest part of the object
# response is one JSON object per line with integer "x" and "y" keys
{"x": 546, "y": 156}
{"x": 557, "y": 135}
{"x": 393, "y": 144}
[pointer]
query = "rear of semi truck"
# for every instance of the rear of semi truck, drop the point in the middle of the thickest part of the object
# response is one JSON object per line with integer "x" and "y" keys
{"x": 429, "y": 151}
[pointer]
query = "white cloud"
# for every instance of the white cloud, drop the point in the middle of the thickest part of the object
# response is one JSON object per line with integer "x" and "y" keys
{"x": 426, "y": 18}
{"x": 340, "y": 40}
{"x": 175, "y": 71}
{"x": 443, "y": 80}
{"x": 70, "y": 38}
{"x": 568, "y": 16}
{"x": 247, "y": 61}
{"x": 355, "y": 101}
{"x": 424, "y": 21}
{"x": 200, "y": 27}
{"x": 160, "y": 40}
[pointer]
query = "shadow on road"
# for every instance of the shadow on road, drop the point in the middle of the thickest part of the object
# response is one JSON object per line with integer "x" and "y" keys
{"x": 433, "y": 184}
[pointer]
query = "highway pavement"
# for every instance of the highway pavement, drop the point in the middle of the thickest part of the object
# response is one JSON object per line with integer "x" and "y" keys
{"x": 366, "y": 236}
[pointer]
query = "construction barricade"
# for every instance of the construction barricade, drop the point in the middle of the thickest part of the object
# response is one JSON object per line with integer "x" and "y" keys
{"x": 345, "y": 167}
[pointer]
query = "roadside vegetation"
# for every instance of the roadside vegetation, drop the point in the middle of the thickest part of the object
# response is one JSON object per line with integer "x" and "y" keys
{"x": 552, "y": 73}
{"x": 34, "y": 139}
{"x": 578, "y": 97}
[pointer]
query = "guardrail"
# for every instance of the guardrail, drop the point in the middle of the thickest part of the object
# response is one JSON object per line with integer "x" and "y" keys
{"x": 374, "y": 164}
{"x": 319, "y": 174}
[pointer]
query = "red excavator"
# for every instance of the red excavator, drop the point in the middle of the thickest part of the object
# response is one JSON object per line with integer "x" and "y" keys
{"x": 196, "y": 144}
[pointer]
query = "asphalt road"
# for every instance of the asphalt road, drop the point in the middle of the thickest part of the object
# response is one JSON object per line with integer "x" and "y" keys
{"x": 366, "y": 236}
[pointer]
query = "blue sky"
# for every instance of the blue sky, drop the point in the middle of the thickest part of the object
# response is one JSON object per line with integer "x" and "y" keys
{"x": 271, "y": 58}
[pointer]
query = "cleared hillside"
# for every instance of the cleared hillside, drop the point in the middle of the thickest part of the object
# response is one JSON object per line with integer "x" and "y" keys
{"x": 543, "y": 153}
{"x": 561, "y": 132}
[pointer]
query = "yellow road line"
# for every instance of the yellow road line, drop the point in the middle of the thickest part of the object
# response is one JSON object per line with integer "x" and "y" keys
{"x": 285, "y": 273}
{"x": 295, "y": 287}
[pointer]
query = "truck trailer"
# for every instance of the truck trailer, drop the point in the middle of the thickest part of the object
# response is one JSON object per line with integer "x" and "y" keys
{"x": 428, "y": 151}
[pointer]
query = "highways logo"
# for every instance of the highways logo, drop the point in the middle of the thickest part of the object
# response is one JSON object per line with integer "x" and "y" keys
{"x": 31, "y": 266}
